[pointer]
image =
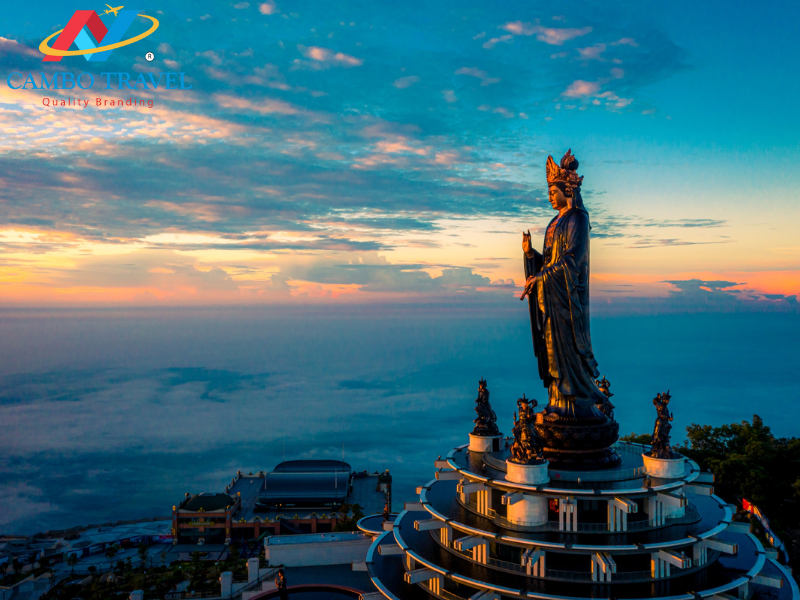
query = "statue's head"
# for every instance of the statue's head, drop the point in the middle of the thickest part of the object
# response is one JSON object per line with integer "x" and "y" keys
{"x": 563, "y": 181}
{"x": 482, "y": 385}
{"x": 558, "y": 194}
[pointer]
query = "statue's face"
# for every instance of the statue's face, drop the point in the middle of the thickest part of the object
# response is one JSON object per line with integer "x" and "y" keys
{"x": 557, "y": 198}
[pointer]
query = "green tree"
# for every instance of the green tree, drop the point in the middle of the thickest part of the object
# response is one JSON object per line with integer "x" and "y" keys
{"x": 198, "y": 570}
{"x": 196, "y": 556}
{"x": 637, "y": 438}
{"x": 748, "y": 461}
{"x": 352, "y": 514}
{"x": 112, "y": 550}
{"x": 141, "y": 552}
{"x": 72, "y": 560}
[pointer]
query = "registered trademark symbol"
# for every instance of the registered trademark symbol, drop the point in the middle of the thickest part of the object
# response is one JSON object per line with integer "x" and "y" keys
{"x": 149, "y": 56}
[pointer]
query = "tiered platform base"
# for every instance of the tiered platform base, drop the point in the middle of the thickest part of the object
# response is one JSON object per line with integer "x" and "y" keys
{"x": 617, "y": 533}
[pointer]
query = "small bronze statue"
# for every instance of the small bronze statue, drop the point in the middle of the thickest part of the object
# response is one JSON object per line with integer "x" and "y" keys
{"x": 661, "y": 432}
{"x": 280, "y": 583}
{"x": 486, "y": 422}
{"x": 527, "y": 447}
{"x": 386, "y": 512}
{"x": 605, "y": 407}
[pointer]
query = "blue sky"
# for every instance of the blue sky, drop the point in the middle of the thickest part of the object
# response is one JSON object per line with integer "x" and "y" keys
{"x": 354, "y": 152}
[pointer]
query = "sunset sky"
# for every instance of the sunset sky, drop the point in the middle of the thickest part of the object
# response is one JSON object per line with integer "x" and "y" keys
{"x": 319, "y": 243}
{"x": 370, "y": 152}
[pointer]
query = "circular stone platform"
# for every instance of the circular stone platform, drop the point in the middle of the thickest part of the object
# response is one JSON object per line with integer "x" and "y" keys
{"x": 372, "y": 525}
{"x": 666, "y": 468}
{"x": 476, "y": 532}
{"x": 630, "y": 466}
{"x": 527, "y": 473}
{"x": 485, "y": 443}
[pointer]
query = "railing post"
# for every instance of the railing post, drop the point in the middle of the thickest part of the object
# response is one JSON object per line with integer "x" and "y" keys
{"x": 567, "y": 514}
{"x": 480, "y": 553}
{"x": 572, "y": 514}
{"x": 446, "y": 536}
{"x": 226, "y": 584}
{"x": 252, "y": 569}
{"x": 743, "y": 591}
{"x": 533, "y": 561}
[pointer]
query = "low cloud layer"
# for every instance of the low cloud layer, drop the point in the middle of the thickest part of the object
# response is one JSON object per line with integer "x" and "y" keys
{"x": 135, "y": 408}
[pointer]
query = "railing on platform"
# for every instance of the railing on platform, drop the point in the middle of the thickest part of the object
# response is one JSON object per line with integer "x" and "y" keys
{"x": 568, "y": 575}
{"x": 256, "y": 585}
{"x": 495, "y": 463}
{"x": 449, "y": 595}
{"x": 627, "y": 576}
{"x": 504, "y": 564}
{"x": 204, "y": 593}
{"x": 500, "y": 465}
{"x": 691, "y": 515}
{"x": 623, "y": 576}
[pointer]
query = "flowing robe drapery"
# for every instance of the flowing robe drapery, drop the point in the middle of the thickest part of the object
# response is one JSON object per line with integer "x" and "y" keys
{"x": 559, "y": 310}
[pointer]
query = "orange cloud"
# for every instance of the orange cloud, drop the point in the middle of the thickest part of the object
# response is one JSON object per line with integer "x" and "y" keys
{"x": 263, "y": 106}
{"x": 581, "y": 89}
{"x": 549, "y": 35}
{"x": 329, "y": 57}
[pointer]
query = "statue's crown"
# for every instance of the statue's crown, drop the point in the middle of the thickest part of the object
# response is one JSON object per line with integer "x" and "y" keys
{"x": 567, "y": 172}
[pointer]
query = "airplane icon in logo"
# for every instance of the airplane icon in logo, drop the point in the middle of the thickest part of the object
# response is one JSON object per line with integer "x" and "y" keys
{"x": 112, "y": 9}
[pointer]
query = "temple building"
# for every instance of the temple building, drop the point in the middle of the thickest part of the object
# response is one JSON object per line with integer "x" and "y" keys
{"x": 299, "y": 496}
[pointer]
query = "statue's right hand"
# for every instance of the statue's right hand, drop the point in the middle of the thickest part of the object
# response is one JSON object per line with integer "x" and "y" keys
{"x": 526, "y": 242}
